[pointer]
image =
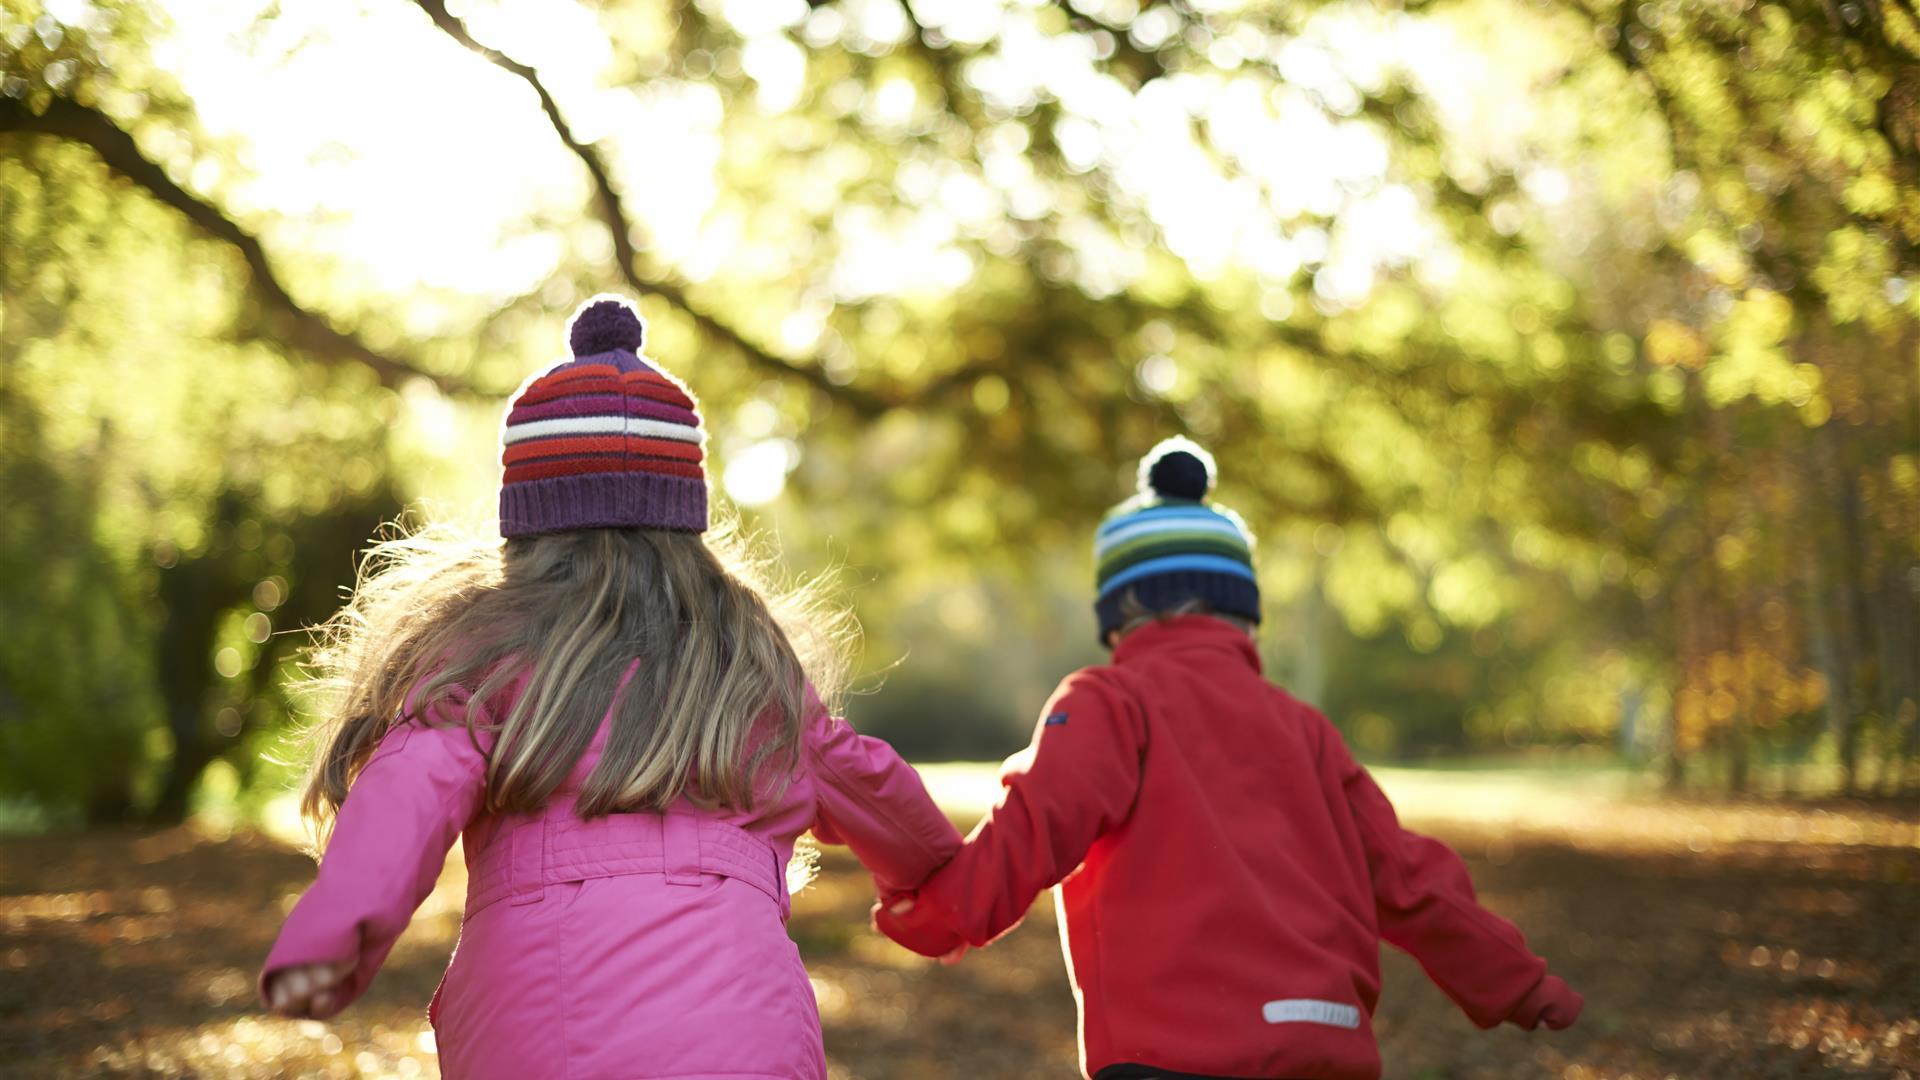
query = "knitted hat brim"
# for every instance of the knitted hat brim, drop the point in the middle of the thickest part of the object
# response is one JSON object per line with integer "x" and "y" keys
{"x": 1224, "y": 594}
{"x": 603, "y": 501}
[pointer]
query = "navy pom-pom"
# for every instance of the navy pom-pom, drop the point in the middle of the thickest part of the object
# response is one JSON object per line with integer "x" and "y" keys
{"x": 1177, "y": 469}
{"x": 607, "y": 324}
{"x": 1179, "y": 475}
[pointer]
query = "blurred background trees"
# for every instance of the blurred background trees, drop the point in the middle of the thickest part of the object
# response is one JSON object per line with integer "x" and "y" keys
{"x": 1562, "y": 355}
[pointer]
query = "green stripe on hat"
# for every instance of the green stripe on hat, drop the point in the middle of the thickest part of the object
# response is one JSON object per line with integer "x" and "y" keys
{"x": 1154, "y": 547}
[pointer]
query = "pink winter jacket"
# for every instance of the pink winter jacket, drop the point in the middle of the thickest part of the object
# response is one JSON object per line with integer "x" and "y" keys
{"x": 632, "y": 945}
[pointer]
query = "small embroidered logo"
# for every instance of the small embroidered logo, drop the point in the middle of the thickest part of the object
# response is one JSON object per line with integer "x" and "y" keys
{"x": 1056, "y": 719}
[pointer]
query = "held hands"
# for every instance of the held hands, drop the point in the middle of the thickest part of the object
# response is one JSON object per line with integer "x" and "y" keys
{"x": 915, "y": 927}
{"x": 1552, "y": 1003}
{"x": 309, "y": 991}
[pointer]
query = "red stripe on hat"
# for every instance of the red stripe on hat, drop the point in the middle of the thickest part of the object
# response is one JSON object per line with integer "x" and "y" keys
{"x": 665, "y": 395}
{"x": 546, "y": 390}
{"x": 562, "y": 447}
{"x": 646, "y": 384}
{"x": 666, "y": 448}
{"x": 646, "y": 375}
{"x": 574, "y": 445}
{"x": 580, "y": 371}
{"x": 586, "y": 466}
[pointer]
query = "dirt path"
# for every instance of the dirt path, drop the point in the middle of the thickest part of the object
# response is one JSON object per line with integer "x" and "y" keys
{"x": 1786, "y": 945}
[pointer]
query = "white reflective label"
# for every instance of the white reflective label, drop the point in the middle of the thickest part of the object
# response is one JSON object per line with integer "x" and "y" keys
{"x": 1310, "y": 1011}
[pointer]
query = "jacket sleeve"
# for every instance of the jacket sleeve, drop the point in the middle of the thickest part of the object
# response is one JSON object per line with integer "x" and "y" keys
{"x": 1076, "y": 780}
{"x": 420, "y": 788}
{"x": 873, "y": 802}
{"x": 1425, "y": 902}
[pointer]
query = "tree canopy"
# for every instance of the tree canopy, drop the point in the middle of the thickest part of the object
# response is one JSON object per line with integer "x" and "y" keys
{"x": 1561, "y": 355}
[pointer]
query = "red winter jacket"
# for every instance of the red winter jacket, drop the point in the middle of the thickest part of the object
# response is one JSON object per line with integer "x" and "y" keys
{"x": 1227, "y": 872}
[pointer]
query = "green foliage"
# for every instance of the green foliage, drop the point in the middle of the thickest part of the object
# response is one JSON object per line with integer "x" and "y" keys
{"x": 76, "y": 696}
{"x": 1562, "y": 356}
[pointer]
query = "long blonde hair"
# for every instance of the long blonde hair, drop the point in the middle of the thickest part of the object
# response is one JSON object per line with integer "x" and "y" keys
{"x": 714, "y": 710}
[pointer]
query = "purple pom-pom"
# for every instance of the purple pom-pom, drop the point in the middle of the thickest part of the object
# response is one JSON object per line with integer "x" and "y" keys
{"x": 608, "y": 324}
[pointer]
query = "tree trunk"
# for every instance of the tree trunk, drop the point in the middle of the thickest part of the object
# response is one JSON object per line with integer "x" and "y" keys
{"x": 190, "y": 759}
{"x": 1846, "y": 622}
{"x": 194, "y": 592}
{"x": 110, "y": 805}
{"x": 186, "y": 676}
{"x": 1738, "y": 751}
{"x": 1894, "y": 616}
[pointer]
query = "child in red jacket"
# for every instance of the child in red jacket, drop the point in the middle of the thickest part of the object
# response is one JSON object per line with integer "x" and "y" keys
{"x": 1226, "y": 869}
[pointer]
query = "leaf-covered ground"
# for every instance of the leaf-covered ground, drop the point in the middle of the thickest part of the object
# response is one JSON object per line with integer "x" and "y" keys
{"x": 1711, "y": 941}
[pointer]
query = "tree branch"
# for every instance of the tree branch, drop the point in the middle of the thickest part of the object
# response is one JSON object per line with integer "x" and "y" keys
{"x": 613, "y": 213}
{"x": 296, "y": 326}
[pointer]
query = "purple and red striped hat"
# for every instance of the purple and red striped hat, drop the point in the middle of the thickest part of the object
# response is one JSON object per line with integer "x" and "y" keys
{"x": 604, "y": 440}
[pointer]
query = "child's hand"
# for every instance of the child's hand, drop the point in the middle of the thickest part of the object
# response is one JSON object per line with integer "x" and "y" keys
{"x": 1552, "y": 1003}
{"x": 309, "y": 991}
{"x": 895, "y": 916}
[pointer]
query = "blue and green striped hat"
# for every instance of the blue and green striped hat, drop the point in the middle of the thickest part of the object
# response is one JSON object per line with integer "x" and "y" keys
{"x": 1167, "y": 545}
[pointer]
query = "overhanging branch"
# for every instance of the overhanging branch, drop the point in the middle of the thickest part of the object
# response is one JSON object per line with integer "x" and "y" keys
{"x": 294, "y": 325}
{"x": 613, "y": 213}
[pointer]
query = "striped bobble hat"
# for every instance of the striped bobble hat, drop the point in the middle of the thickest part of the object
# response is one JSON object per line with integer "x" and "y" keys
{"x": 603, "y": 440}
{"x": 1168, "y": 545}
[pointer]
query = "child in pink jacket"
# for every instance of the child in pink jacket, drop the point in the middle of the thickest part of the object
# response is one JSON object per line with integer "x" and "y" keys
{"x": 620, "y": 730}
{"x": 1227, "y": 871}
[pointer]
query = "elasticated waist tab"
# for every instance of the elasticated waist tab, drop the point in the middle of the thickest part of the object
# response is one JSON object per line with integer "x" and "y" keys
{"x": 530, "y": 852}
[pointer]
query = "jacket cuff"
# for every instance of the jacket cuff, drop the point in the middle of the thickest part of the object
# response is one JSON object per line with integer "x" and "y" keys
{"x": 345, "y": 991}
{"x": 939, "y": 897}
{"x": 301, "y": 944}
{"x": 1527, "y": 1013}
{"x": 922, "y": 930}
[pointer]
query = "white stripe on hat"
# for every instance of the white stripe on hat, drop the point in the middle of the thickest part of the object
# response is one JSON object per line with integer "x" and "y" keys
{"x": 602, "y": 425}
{"x": 664, "y": 429}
